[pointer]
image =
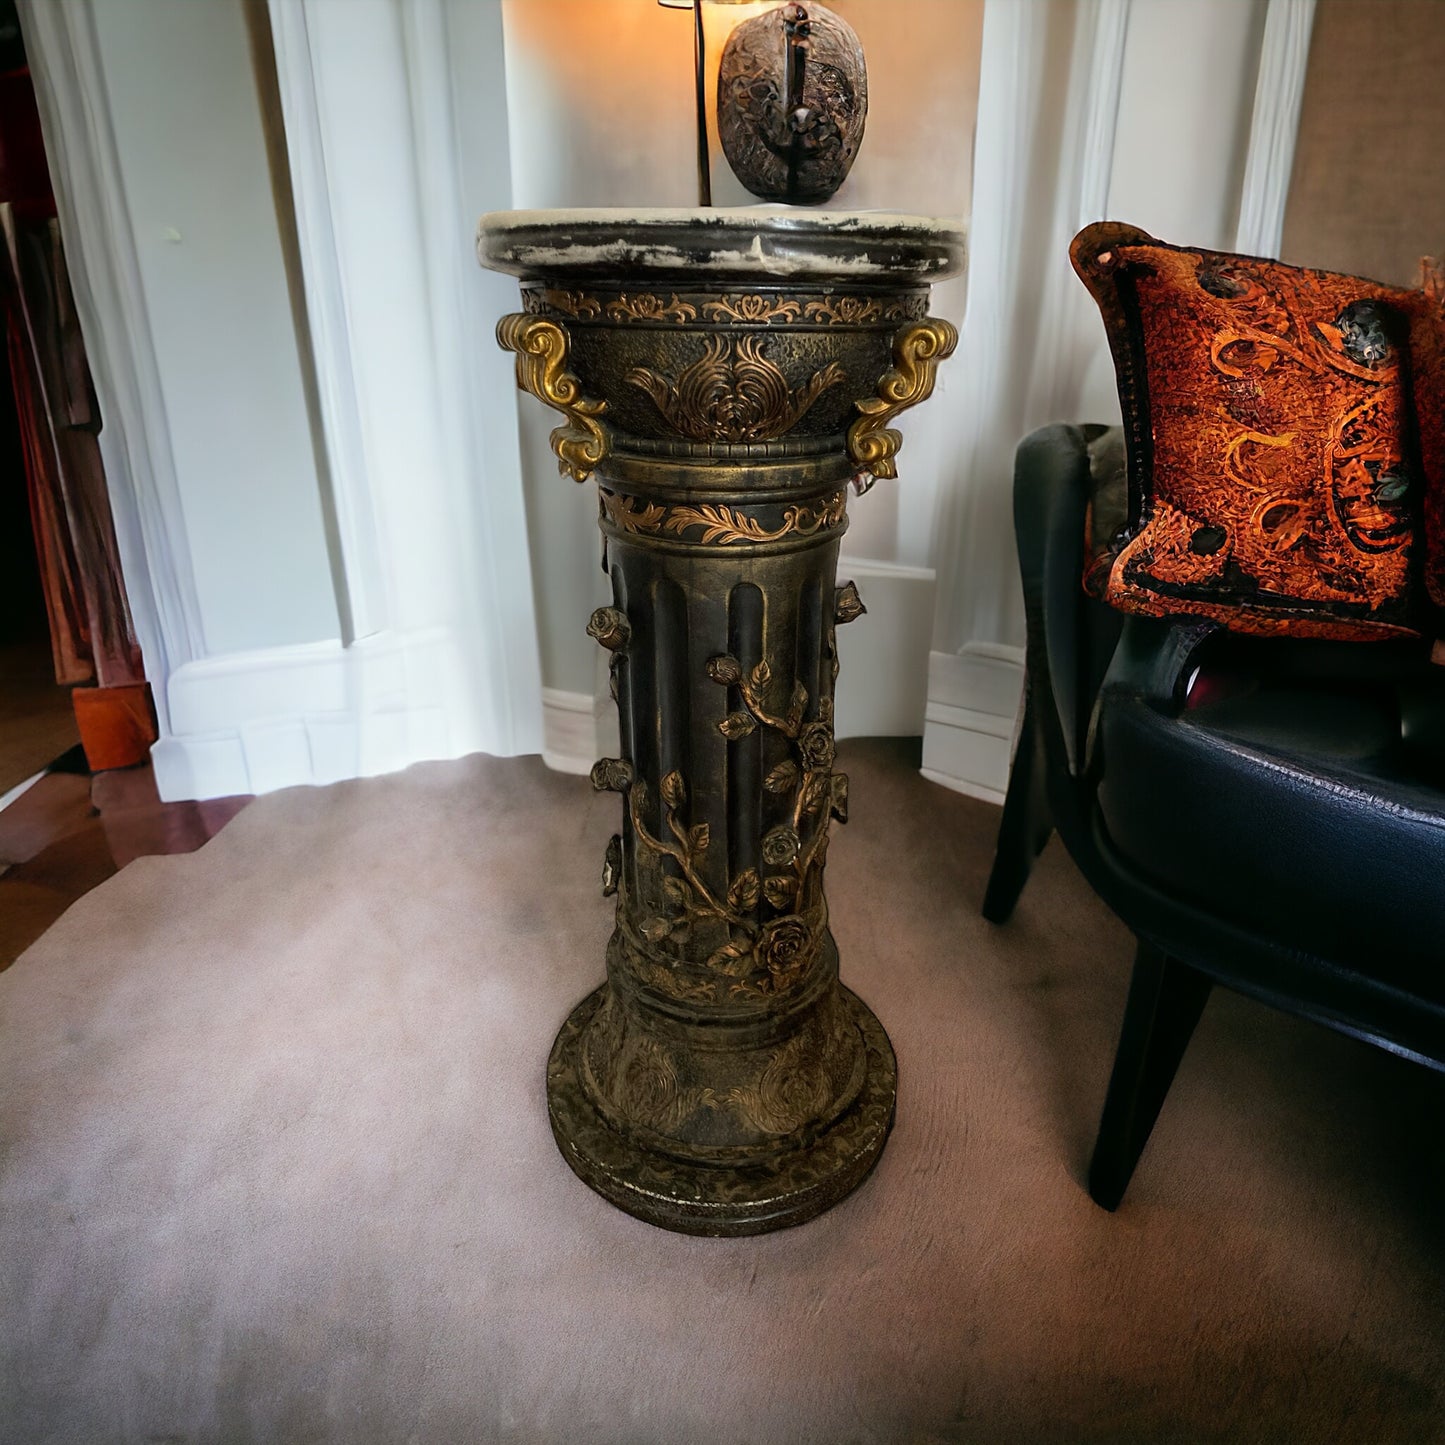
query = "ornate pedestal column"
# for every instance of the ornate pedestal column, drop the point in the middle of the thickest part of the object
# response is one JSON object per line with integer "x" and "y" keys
{"x": 725, "y": 375}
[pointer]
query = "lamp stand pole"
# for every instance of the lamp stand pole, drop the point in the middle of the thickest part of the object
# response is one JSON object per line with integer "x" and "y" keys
{"x": 704, "y": 177}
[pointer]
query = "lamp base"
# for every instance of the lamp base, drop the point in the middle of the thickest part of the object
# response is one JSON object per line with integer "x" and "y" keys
{"x": 721, "y": 1202}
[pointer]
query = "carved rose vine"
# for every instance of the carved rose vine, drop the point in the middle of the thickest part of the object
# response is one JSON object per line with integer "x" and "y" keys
{"x": 761, "y": 955}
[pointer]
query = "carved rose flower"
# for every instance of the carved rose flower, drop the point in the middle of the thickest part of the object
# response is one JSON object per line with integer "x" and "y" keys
{"x": 611, "y": 775}
{"x": 780, "y": 846}
{"x": 724, "y": 669}
{"x": 847, "y": 604}
{"x": 609, "y": 627}
{"x": 784, "y": 947}
{"x": 816, "y": 746}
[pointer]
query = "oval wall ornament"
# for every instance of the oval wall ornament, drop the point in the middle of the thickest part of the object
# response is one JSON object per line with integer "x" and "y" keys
{"x": 792, "y": 99}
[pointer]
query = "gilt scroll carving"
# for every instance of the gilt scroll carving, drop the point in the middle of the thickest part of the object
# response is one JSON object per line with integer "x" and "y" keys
{"x": 541, "y": 347}
{"x": 917, "y": 351}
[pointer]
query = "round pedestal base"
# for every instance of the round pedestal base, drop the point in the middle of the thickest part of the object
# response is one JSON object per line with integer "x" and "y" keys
{"x": 712, "y": 1200}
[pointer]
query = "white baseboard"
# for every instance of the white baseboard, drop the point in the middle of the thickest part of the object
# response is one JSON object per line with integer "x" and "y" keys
{"x": 883, "y": 682}
{"x": 320, "y": 712}
{"x": 253, "y": 722}
{"x": 972, "y": 717}
{"x": 577, "y": 729}
{"x": 882, "y": 688}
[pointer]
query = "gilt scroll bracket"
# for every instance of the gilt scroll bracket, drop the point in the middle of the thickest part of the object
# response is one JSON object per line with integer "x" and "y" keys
{"x": 917, "y": 350}
{"x": 581, "y": 443}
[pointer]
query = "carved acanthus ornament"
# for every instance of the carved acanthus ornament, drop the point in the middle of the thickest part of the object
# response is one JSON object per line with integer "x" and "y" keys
{"x": 645, "y": 307}
{"x": 541, "y": 347}
{"x": 733, "y": 393}
{"x": 576, "y": 304}
{"x": 917, "y": 350}
{"x": 752, "y": 309}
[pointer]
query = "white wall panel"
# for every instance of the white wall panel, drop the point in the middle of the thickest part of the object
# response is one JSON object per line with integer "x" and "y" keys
{"x": 192, "y": 157}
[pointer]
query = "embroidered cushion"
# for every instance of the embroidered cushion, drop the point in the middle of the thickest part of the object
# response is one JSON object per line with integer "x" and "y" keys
{"x": 1273, "y": 469}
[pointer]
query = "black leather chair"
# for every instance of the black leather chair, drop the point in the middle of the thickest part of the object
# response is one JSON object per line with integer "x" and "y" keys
{"x": 1266, "y": 814}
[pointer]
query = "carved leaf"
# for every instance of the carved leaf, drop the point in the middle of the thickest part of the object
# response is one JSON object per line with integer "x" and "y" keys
{"x": 815, "y": 794}
{"x": 731, "y": 959}
{"x": 674, "y": 790}
{"x": 698, "y": 837}
{"x": 783, "y": 778}
{"x": 847, "y": 604}
{"x": 645, "y": 517}
{"x": 838, "y": 784}
{"x": 797, "y": 706}
{"x": 733, "y": 392}
{"x": 662, "y": 392}
{"x": 719, "y": 524}
{"x": 762, "y": 674}
{"x": 612, "y": 866}
{"x": 737, "y": 725}
{"x": 656, "y": 929}
{"x": 743, "y": 894}
{"x": 780, "y": 890}
{"x": 724, "y": 669}
{"x": 676, "y": 891}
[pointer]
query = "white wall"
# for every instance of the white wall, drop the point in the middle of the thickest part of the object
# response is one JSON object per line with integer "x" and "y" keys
{"x": 193, "y": 165}
{"x": 282, "y": 648}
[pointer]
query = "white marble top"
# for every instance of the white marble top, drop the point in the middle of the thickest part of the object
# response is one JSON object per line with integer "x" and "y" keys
{"x": 783, "y": 243}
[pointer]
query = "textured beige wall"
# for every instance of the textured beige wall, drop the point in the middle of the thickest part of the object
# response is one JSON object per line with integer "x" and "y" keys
{"x": 1368, "y": 191}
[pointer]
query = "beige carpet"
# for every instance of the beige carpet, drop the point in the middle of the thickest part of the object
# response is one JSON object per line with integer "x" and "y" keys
{"x": 277, "y": 1167}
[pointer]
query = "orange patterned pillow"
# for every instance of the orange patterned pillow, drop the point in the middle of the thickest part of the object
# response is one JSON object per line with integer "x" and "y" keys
{"x": 1271, "y": 451}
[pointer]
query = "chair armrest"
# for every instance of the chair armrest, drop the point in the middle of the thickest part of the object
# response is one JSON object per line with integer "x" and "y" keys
{"x": 1071, "y": 636}
{"x": 1154, "y": 660}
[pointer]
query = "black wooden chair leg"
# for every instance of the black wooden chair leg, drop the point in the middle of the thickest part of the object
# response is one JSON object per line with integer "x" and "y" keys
{"x": 1026, "y": 825}
{"x": 1166, "y": 998}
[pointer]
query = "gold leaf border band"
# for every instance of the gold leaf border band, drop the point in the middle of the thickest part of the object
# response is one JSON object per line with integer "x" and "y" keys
{"x": 721, "y": 525}
{"x": 740, "y": 308}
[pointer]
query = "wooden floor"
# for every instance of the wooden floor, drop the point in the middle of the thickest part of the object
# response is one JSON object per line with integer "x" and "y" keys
{"x": 37, "y": 722}
{"x": 71, "y": 831}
